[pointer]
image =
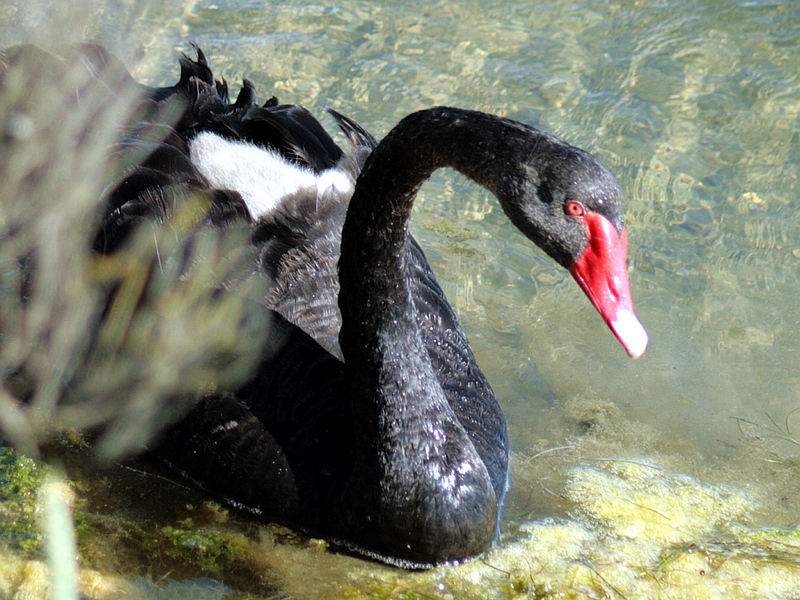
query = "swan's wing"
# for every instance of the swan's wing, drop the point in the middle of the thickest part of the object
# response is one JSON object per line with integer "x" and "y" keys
{"x": 224, "y": 448}
{"x": 299, "y": 244}
{"x": 259, "y": 447}
{"x": 468, "y": 391}
{"x": 299, "y": 248}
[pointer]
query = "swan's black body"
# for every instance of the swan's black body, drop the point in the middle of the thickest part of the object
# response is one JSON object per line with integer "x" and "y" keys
{"x": 372, "y": 425}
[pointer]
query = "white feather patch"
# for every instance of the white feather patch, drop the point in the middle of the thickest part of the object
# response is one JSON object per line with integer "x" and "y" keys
{"x": 263, "y": 177}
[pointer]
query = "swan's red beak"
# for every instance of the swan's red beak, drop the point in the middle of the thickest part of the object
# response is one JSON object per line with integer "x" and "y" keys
{"x": 602, "y": 273}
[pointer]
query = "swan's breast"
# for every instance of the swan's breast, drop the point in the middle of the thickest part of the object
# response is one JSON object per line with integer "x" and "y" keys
{"x": 263, "y": 177}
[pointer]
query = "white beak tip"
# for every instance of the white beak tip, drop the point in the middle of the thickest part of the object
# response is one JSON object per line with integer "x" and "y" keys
{"x": 630, "y": 333}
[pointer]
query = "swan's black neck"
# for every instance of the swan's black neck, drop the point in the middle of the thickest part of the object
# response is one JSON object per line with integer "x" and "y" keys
{"x": 492, "y": 151}
{"x": 397, "y": 391}
{"x": 481, "y": 146}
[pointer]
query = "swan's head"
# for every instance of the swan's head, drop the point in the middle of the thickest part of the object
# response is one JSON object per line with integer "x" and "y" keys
{"x": 568, "y": 203}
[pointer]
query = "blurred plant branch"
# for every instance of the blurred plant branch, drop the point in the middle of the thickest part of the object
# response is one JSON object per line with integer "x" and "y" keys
{"x": 119, "y": 343}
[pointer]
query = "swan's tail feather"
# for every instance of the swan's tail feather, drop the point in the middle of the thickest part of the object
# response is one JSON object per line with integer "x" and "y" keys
{"x": 361, "y": 140}
{"x": 191, "y": 70}
{"x": 362, "y": 143}
{"x": 290, "y": 129}
{"x": 247, "y": 96}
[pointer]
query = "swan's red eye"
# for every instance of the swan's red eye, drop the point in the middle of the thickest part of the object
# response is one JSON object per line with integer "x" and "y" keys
{"x": 576, "y": 209}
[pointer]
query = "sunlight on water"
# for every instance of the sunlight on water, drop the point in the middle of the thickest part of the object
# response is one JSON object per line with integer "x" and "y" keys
{"x": 695, "y": 106}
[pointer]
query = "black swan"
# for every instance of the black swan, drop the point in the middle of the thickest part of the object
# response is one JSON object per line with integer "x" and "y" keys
{"x": 373, "y": 426}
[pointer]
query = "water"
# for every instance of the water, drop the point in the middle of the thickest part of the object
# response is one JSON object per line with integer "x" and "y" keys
{"x": 693, "y": 105}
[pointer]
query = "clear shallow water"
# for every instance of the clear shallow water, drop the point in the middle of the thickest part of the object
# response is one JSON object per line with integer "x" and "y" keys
{"x": 693, "y": 105}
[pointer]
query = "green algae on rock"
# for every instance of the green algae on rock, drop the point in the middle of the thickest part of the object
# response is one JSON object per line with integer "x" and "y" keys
{"x": 20, "y": 478}
{"x": 640, "y": 501}
{"x": 640, "y": 532}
